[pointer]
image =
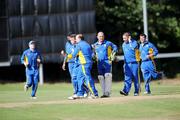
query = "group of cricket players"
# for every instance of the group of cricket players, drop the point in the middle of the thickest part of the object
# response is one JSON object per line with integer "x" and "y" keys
{"x": 80, "y": 56}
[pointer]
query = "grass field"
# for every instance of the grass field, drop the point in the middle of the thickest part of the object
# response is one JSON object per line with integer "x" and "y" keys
{"x": 52, "y": 103}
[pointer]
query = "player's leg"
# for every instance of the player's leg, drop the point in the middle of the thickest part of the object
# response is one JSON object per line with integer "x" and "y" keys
{"x": 127, "y": 80}
{"x": 153, "y": 72}
{"x": 89, "y": 80}
{"x": 101, "y": 78}
{"x": 135, "y": 71}
{"x": 72, "y": 67}
{"x": 35, "y": 83}
{"x": 80, "y": 82}
{"x": 29, "y": 79}
{"x": 74, "y": 77}
{"x": 108, "y": 78}
{"x": 146, "y": 76}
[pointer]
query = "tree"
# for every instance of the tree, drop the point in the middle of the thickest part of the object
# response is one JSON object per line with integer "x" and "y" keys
{"x": 117, "y": 16}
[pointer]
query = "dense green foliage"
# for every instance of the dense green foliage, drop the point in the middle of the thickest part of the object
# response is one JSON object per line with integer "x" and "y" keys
{"x": 117, "y": 16}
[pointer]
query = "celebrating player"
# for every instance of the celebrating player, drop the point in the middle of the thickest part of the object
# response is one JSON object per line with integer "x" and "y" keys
{"x": 131, "y": 66}
{"x": 72, "y": 64}
{"x": 105, "y": 52}
{"x": 148, "y": 68}
{"x": 83, "y": 53}
{"x": 31, "y": 59}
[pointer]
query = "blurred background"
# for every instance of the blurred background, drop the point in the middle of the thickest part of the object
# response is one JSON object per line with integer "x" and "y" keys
{"x": 49, "y": 21}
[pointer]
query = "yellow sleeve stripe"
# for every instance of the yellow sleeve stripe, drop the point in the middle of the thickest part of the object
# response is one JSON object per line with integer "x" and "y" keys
{"x": 137, "y": 55}
{"x": 109, "y": 50}
{"x": 26, "y": 60}
{"x": 151, "y": 51}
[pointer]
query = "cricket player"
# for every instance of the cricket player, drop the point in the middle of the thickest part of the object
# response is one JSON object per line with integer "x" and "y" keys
{"x": 72, "y": 65}
{"x": 131, "y": 64}
{"x": 31, "y": 59}
{"x": 83, "y": 53}
{"x": 105, "y": 53}
{"x": 148, "y": 68}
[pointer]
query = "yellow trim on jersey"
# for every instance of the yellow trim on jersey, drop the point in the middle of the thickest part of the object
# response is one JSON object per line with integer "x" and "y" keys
{"x": 151, "y": 51}
{"x": 109, "y": 51}
{"x": 152, "y": 58}
{"x": 26, "y": 59}
{"x": 137, "y": 55}
{"x": 69, "y": 56}
{"x": 82, "y": 58}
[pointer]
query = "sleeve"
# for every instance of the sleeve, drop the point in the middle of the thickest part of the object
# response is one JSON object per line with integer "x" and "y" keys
{"x": 134, "y": 44}
{"x": 23, "y": 58}
{"x": 39, "y": 56}
{"x": 114, "y": 47}
{"x": 66, "y": 58}
{"x": 73, "y": 54}
{"x": 66, "y": 48}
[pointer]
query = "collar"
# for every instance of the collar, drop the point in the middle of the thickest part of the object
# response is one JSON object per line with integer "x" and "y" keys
{"x": 146, "y": 42}
{"x": 32, "y": 51}
{"x": 101, "y": 43}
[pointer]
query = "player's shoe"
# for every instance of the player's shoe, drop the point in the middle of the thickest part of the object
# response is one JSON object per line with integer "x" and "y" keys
{"x": 147, "y": 93}
{"x": 123, "y": 93}
{"x": 136, "y": 94}
{"x": 93, "y": 96}
{"x": 73, "y": 97}
{"x": 34, "y": 98}
{"x": 80, "y": 97}
{"x": 105, "y": 96}
{"x": 25, "y": 87}
{"x": 85, "y": 95}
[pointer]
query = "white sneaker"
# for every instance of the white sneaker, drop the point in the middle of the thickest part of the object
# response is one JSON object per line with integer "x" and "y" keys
{"x": 80, "y": 97}
{"x": 85, "y": 95}
{"x": 147, "y": 93}
{"x": 93, "y": 97}
{"x": 136, "y": 94}
{"x": 34, "y": 98}
{"x": 25, "y": 87}
{"x": 73, "y": 97}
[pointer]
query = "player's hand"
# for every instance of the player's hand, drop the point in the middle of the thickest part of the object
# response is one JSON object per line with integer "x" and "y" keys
{"x": 63, "y": 53}
{"x": 112, "y": 56}
{"x": 150, "y": 56}
{"x": 64, "y": 66}
{"x": 39, "y": 60}
{"x": 26, "y": 64}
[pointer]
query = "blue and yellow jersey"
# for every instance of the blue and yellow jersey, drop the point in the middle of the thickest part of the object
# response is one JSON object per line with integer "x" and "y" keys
{"x": 146, "y": 49}
{"x": 69, "y": 48}
{"x": 30, "y": 57}
{"x": 131, "y": 51}
{"x": 83, "y": 52}
{"x": 104, "y": 50}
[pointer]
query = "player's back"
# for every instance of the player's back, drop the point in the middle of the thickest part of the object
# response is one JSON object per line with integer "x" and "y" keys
{"x": 85, "y": 52}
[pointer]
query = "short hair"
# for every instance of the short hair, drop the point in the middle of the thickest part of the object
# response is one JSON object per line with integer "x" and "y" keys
{"x": 144, "y": 35}
{"x": 100, "y": 32}
{"x": 71, "y": 34}
{"x": 127, "y": 34}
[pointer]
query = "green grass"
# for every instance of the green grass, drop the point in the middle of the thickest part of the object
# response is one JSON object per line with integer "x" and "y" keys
{"x": 131, "y": 109}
